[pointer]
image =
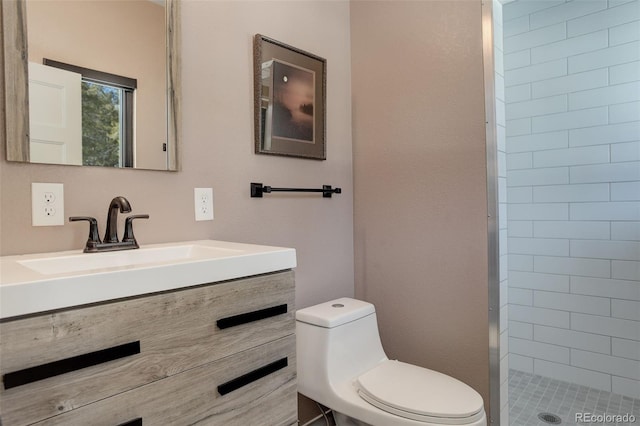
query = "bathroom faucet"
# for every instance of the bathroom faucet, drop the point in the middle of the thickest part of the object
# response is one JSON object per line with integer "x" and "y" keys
{"x": 111, "y": 241}
{"x": 118, "y": 203}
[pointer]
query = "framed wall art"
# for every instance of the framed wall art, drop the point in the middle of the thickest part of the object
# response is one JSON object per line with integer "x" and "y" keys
{"x": 290, "y": 100}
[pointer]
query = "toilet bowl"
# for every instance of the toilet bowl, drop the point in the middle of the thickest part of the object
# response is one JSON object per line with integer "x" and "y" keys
{"x": 342, "y": 365}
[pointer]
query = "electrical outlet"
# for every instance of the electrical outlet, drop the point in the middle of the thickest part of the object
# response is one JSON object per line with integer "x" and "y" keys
{"x": 203, "y": 203}
{"x": 47, "y": 204}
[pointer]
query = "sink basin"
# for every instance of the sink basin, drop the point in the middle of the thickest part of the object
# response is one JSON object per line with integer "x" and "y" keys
{"x": 125, "y": 258}
{"x": 35, "y": 283}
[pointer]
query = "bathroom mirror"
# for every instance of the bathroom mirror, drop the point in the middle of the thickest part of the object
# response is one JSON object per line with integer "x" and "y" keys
{"x": 93, "y": 83}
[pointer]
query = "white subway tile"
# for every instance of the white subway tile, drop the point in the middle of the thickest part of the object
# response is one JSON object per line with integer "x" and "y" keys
{"x": 550, "y": 176}
{"x": 539, "y": 246}
{"x": 625, "y": 191}
{"x": 570, "y": 120}
{"x": 518, "y": 127}
{"x": 624, "y": 386}
{"x": 520, "y": 228}
{"x": 537, "y": 142}
{"x": 601, "y": 249}
{"x": 625, "y": 151}
{"x": 619, "y": 289}
{"x": 521, "y": 363}
{"x": 504, "y": 318}
{"x": 516, "y": 26}
{"x": 625, "y": 269}
{"x": 504, "y": 275}
{"x": 624, "y": 73}
{"x": 516, "y": 60}
{"x": 625, "y": 309}
{"x": 621, "y": 210}
{"x": 621, "y": 113}
{"x": 500, "y": 113}
{"x": 624, "y": 132}
{"x": 614, "y": 327}
{"x": 616, "y": 172}
{"x": 519, "y": 296}
{"x": 517, "y": 9}
{"x": 498, "y": 36}
{"x": 498, "y": 59}
{"x": 520, "y": 194}
{"x": 572, "y": 302}
{"x": 501, "y": 136}
{"x": 527, "y": 74}
{"x": 535, "y": 38}
{"x": 604, "y": 19}
{"x": 538, "y": 281}
{"x": 541, "y": 211}
{"x": 539, "y": 350}
{"x": 575, "y": 375}
{"x": 625, "y": 231}
{"x": 573, "y": 266}
{"x": 624, "y": 33}
{"x": 565, "y": 11}
{"x": 535, "y": 107}
{"x": 520, "y": 262}
{"x": 616, "y": 94}
{"x": 504, "y": 344}
{"x": 622, "y": 347}
{"x": 550, "y": 317}
{"x": 518, "y": 93}
{"x": 502, "y": 215}
{"x": 572, "y": 156}
{"x": 499, "y": 82}
{"x": 522, "y": 330}
{"x": 569, "y": 47}
{"x": 571, "y": 193}
{"x": 572, "y": 339}
{"x": 570, "y": 83}
{"x": 572, "y": 229}
{"x": 606, "y": 363}
{"x": 522, "y": 160}
{"x": 605, "y": 57}
{"x": 503, "y": 242}
{"x": 502, "y": 190}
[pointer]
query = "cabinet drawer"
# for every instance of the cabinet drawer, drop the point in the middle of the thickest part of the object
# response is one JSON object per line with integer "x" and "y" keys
{"x": 175, "y": 331}
{"x": 192, "y": 397}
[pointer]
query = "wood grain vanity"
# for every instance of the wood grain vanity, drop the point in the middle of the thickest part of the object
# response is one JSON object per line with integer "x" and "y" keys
{"x": 215, "y": 354}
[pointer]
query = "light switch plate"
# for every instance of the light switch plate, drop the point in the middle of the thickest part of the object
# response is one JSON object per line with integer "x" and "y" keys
{"x": 203, "y": 203}
{"x": 47, "y": 204}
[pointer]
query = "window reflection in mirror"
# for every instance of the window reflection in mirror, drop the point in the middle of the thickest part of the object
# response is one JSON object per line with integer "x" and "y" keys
{"x": 116, "y": 124}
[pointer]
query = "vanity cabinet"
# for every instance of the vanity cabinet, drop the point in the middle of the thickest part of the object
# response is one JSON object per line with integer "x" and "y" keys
{"x": 215, "y": 354}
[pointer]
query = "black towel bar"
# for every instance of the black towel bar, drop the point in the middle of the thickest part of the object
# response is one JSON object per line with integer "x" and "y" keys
{"x": 257, "y": 189}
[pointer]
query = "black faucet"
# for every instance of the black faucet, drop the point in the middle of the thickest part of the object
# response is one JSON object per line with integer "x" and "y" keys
{"x": 111, "y": 242}
{"x": 118, "y": 203}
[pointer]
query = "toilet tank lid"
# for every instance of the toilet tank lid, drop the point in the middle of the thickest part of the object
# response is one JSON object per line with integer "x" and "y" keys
{"x": 335, "y": 312}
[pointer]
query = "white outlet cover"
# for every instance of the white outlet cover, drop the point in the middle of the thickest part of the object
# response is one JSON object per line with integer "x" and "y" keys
{"x": 203, "y": 203}
{"x": 47, "y": 204}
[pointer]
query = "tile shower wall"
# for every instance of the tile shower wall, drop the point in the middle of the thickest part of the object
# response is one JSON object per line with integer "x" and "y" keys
{"x": 572, "y": 89}
{"x": 502, "y": 208}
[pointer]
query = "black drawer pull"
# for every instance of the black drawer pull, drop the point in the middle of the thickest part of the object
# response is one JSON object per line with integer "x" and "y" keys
{"x": 134, "y": 422}
{"x": 251, "y": 316}
{"x": 55, "y": 368}
{"x": 252, "y": 376}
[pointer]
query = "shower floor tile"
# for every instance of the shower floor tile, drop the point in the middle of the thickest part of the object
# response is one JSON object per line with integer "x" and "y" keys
{"x": 530, "y": 395}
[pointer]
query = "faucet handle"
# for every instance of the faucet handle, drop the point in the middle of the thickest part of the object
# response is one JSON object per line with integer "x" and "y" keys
{"x": 128, "y": 228}
{"x": 94, "y": 237}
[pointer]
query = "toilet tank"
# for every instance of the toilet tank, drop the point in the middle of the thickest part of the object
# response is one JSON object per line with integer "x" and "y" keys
{"x": 336, "y": 341}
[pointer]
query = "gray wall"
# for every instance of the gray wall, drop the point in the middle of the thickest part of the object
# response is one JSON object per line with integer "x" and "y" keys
{"x": 420, "y": 181}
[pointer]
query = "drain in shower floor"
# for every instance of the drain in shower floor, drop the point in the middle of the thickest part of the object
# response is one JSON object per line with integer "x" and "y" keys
{"x": 550, "y": 418}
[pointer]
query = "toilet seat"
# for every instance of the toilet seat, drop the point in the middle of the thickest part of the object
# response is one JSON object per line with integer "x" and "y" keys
{"x": 419, "y": 394}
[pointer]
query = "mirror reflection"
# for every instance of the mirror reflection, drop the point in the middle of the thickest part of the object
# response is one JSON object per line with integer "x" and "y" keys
{"x": 97, "y": 83}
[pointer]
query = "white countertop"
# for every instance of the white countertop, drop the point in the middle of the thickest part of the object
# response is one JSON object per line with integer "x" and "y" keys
{"x": 35, "y": 283}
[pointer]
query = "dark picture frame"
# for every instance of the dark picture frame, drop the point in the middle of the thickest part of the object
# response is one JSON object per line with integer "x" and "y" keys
{"x": 289, "y": 100}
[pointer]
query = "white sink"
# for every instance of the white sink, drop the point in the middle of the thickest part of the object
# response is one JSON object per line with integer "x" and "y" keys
{"x": 43, "y": 282}
{"x": 122, "y": 259}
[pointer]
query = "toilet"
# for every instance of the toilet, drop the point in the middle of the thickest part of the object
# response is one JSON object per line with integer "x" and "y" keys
{"x": 342, "y": 365}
